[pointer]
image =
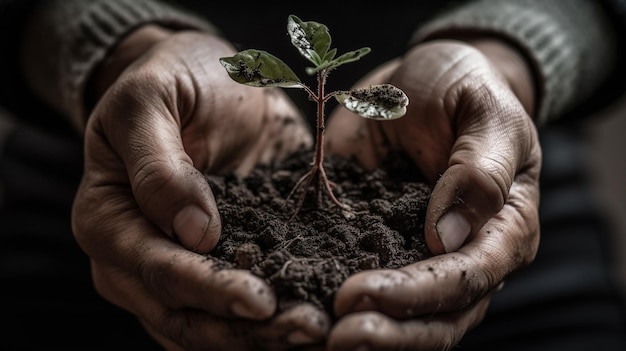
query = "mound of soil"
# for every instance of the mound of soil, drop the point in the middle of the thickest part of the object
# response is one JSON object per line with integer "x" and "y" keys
{"x": 307, "y": 257}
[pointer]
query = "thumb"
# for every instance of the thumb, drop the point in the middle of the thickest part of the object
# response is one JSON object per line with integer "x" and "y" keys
{"x": 462, "y": 201}
{"x": 166, "y": 186}
{"x": 492, "y": 150}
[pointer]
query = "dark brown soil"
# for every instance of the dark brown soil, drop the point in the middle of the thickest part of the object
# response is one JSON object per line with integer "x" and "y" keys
{"x": 308, "y": 257}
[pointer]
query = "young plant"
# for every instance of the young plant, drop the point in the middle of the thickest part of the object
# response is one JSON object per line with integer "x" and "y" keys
{"x": 261, "y": 69}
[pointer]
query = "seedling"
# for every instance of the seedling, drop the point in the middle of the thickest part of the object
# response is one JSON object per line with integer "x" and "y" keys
{"x": 261, "y": 69}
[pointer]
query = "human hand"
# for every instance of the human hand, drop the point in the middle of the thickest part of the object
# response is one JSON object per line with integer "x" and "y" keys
{"x": 144, "y": 212}
{"x": 468, "y": 128}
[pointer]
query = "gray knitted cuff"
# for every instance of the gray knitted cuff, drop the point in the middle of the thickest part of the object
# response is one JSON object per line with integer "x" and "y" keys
{"x": 69, "y": 38}
{"x": 556, "y": 36}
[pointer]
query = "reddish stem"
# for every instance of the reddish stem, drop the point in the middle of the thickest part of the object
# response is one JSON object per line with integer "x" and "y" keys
{"x": 317, "y": 171}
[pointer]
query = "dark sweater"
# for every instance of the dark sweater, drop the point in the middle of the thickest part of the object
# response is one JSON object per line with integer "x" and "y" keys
{"x": 569, "y": 41}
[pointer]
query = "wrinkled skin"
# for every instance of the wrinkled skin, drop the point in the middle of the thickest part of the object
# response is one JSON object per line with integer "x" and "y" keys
{"x": 145, "y": 214}
{"x": 469, "y": 129}
{"x": 173, "y": 114}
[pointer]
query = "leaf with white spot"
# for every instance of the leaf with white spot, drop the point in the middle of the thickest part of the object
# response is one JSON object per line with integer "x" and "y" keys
{"x": 382, "y": 102}
{"x": 260, "y": 69}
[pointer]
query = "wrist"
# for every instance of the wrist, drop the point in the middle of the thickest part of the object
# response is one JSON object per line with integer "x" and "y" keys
{"x": 129, "y": 49}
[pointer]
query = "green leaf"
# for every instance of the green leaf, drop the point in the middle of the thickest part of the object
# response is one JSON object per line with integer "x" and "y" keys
{"x": 383, "y": 102}
{"x": 260, "y": 69}
{"x": 312, "y": 39}
{"x": 330, "y": 55}
{"x": 350, "y": 57}
{"x": 345, "y": 58}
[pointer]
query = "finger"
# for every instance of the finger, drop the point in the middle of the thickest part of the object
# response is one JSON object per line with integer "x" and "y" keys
{"x": 497, "y": 141}
{"x": 175, "y": 276}
{"x": 301, "y": 325}
{"x": 304, "y": 327}
{"x": 375, "y": 331}
{"x": 440, "y": 284}
{"x": 190, "y": 281}
{"x": 182, "y": 279}
{"x": 452, "y": 282}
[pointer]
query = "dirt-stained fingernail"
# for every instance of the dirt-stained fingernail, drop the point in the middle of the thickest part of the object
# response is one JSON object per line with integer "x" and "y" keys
{"x": 191, "y": 225}
{"x": 453, "y": 229}
{"x": 298, "y": 337}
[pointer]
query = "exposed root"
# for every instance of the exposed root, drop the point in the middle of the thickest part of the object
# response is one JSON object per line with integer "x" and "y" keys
{"x": 316, "y": 172}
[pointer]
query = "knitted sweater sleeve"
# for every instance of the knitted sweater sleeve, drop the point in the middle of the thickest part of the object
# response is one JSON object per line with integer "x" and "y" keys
{"x": 569, "y": 43}
{"x": 66, "y": 40}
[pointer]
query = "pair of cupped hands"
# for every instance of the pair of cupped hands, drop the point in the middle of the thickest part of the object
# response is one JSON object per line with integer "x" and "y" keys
{"x": 167, "y": 113}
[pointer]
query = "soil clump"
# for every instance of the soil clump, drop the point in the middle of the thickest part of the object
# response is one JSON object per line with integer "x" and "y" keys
{"x": 307, "y": 257}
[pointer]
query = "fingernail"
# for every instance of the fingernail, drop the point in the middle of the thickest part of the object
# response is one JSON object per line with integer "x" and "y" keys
{"x": 299, "y": 337}
{"x": 191, "y": 225}
{"x": 240, "y": 310}
{"x": 453, "y": 229}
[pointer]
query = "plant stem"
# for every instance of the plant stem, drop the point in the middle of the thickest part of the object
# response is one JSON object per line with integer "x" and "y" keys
{"x": 319, "y": 143}
{"x": 317, "y": 172}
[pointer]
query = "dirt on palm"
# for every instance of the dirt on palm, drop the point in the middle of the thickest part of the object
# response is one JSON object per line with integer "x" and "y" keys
{"x": 307, "y": 257}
